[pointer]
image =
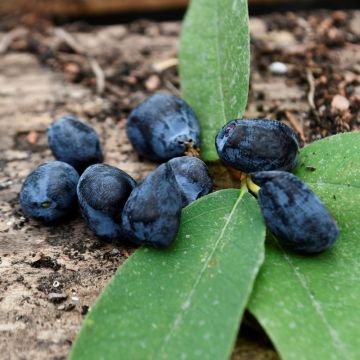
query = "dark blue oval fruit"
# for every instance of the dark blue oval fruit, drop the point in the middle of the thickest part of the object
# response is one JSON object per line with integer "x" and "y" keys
{"x": 75, "y": 143}
{"x": 293, "y": 213}
{"x": 49, "y": 192}
{"x": 163, "y": 127}
{"x": 192, "y": 177}
{"x": 257, "y": 145}
{"x": 152, "y": 213}
{"x": 102, "y": 192}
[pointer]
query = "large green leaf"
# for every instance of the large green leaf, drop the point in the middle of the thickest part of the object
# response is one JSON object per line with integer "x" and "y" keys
{"x": 214, "y": 65}
{"x": 185, "y": 302}
{"x": 310, "y": 306}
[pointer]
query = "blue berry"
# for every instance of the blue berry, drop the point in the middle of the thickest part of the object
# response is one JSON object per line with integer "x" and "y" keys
{"x": 102, "y": 192}
{"x": 192, "y": 177}
{"x": 75, "y": 143}
{"x": 293, "y": 213}
{"x": 163, "y": 127}
{"x": 49, "y": 192}
{"x": 152, "y": 213}
{"x": 257, "y": 145}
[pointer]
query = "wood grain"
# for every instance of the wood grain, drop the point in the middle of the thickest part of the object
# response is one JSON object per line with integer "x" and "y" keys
{"x": 88, "y": 7}
{"x": 94, "y": 7}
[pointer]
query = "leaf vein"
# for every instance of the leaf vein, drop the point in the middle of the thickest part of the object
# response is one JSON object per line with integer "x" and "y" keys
{"x": 338, "y": 344}
{"x": 217, "y": 44}
{"x": 186, "y": 304}
{"x": 333, "y": 184}
{"x": 202, "y": 214}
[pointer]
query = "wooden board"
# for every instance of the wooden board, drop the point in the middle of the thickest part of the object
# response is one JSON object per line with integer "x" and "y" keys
{"x": 88, "y": 7}
{"x": 93, "y": 7}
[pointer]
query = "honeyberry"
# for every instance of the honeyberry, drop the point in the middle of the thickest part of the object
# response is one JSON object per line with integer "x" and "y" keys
{"x": 75, "y": 143}
{"x": 163, "y": 127}
{"x": 102, "y": 192}
{"x": 257, "y": 145}
{"x": 49, "y": 192}
{"x": 293, "y": 213}
{"x": 192, "y": 177}
{"x": 152, "y": 212}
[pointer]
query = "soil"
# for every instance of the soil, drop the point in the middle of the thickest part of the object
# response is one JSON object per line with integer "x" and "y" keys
{"x": 51, "y": 276}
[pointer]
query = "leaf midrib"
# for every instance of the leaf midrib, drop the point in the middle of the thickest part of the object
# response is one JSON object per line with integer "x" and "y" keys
{"x": 338, "y": 344}
{"x": 188, "y": 299}
{"x": 347, "y": 186}
{"x": 220, "y": 76}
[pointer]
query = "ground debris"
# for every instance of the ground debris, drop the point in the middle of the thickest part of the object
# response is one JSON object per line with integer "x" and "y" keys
{"x": 57, "y": 297}
{"x": 41, "y": 261}
{"x": 322, "y": 63}
{"x": 99, "y": 73}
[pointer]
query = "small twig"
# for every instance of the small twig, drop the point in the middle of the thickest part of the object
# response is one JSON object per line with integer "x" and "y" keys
{"x": 311, "y": 94}
{"x": 69, "y": 40}
{"x": 165, "y": 64}
{"x": 114, "y": 89}
{"x": 10, "y": 37}
{"x": 99, "y": 74}
{"x": 95, "y": 67}
{"x": 296, "y": 125}
{"x": 172, "y": 88}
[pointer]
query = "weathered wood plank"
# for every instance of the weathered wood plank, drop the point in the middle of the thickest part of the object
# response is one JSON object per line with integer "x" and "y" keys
{"x": 93, "y": 7}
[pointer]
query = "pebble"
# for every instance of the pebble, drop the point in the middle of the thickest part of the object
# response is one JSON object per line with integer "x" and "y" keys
{"x": 152, "y": 83}
{"x": 278, "y": 68}
{"x": 340, "y": 102}
{"x": 114, "y": 252}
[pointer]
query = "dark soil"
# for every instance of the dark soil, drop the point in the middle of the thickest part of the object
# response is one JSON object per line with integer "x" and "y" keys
{"x": 50, "y": 276}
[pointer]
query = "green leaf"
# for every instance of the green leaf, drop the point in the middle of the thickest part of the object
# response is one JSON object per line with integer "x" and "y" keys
{"x": 310, "y": 305}
{"x": 187, "y": 301}
{"x": 214, "y": 65}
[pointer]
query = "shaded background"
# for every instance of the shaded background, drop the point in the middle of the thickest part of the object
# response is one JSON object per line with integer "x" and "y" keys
{"x": 158, "y": 8}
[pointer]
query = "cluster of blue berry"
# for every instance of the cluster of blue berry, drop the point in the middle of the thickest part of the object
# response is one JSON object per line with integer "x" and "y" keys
{"x": 163, "y": 129}
{"x": 268, "y": 151}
